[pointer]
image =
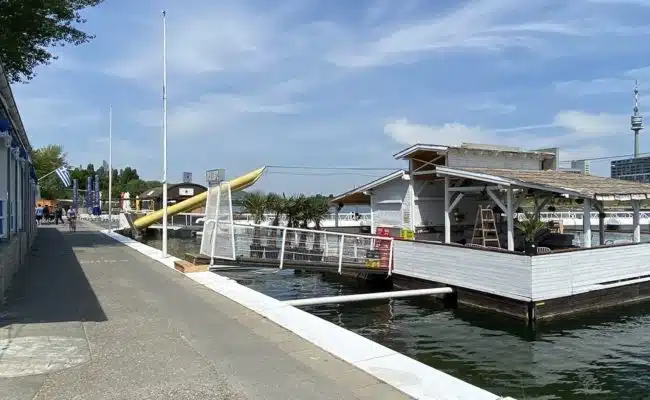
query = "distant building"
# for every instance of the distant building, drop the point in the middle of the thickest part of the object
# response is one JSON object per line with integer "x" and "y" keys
{"x": 632, "y": 169}
{"x": 152, "y": 198}
{"x": 581, "y": 166}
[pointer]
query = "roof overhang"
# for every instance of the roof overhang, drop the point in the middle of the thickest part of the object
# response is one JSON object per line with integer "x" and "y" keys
{"x": 419, "y": 147}
{"x": 360, "y": 194}
{"x": 9, "y": 103}
{"x": 488, "y": 178}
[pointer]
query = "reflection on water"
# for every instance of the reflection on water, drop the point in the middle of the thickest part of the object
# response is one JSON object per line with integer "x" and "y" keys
{"x": 605, "y": 356}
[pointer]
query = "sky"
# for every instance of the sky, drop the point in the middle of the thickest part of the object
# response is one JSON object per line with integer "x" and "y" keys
{"x": 341, "y": 84}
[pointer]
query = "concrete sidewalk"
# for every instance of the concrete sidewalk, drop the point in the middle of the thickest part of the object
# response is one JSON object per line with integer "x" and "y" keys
{"x": 89, "y": 318}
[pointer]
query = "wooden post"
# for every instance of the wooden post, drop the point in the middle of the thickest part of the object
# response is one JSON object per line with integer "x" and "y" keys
{"x": 510, "y": 222}
{"x": 586, "y": 223}
{"x": 636, "y": 221}
{"x": 447, "y": 219}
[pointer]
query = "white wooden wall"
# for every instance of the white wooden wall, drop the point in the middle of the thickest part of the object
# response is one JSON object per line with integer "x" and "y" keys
{"x": 430, "y": 205}
{"x": 465, "y": 158}
{"x": 386, "y": 203}
{"x": 574, "y": 272}
{"x": 498, "y": 273}
{"x": 522, "y": 277}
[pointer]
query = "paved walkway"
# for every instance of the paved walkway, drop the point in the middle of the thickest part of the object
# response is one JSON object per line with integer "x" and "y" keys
{"x": 89, "y": 318}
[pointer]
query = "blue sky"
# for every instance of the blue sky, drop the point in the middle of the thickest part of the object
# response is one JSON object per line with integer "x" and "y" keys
{"x": 341, "y": 83}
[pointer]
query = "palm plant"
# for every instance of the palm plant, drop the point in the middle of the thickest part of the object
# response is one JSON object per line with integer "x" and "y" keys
{"x": 303, "y": 216}
{"x": 290, "y": 210}
{"x": 275, "y": 204}
{"x": 530, "y": 226}
{"x": 319, "y": 209}
{"x": 255, "y": 205}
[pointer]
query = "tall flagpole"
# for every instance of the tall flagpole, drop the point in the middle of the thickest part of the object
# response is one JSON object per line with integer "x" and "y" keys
{"x": 110, "y": 167}
{"x": 164, "y": 123}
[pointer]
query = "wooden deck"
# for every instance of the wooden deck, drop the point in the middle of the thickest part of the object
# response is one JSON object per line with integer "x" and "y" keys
{"x": 316, "y": 266}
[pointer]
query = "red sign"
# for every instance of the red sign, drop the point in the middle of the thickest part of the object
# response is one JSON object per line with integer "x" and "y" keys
{"x": 383, "y": 246}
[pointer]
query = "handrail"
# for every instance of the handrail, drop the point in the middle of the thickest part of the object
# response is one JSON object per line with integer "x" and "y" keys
{"x": 316, "y": 231}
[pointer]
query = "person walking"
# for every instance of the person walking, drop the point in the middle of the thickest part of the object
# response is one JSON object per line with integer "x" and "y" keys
{"x": 46, "y": 213}
{"x": 58, "y": 215}
{"x": 39, "y": 214}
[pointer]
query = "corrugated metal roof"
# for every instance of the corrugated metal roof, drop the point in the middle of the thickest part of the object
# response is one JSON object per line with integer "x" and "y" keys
{"x": 580, "y": 185}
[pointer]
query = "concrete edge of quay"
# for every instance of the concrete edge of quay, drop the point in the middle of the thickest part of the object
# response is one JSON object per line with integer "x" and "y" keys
{"x": 405, "y": 374}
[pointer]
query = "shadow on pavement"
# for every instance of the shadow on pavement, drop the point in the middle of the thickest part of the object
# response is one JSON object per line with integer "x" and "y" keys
{"x": 52, "y": 286}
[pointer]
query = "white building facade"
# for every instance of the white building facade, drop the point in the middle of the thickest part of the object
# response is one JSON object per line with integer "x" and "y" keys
{"x": 17, "y": 187}
{"x": 414, "y": 198}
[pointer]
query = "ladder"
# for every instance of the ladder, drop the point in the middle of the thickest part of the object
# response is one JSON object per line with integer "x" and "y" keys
{"x": 485, "y": 228}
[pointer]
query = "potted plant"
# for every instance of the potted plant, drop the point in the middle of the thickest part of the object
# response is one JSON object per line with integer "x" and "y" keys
{"x": 530, "y": 226}
{"x": 255, "y": 205}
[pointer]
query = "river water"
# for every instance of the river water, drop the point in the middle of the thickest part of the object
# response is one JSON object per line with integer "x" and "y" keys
{"x": 600, "y": 356}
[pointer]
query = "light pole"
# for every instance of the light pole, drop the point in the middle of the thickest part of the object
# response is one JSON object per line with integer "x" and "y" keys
{"x": 110, "y": 167}
{"x": 164, "y": 124}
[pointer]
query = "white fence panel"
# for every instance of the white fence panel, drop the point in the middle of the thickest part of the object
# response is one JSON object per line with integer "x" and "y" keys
{"x": 580, "y": 271}
{"x": 501, "y": 273}
{"x": 218, "y": 239}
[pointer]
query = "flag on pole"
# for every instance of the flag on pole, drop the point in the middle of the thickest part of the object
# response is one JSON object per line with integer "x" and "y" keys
{"x": 64, "y": 175}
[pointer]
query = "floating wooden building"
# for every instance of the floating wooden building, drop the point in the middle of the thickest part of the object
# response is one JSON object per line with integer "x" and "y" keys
{"x": 437, "y": 198}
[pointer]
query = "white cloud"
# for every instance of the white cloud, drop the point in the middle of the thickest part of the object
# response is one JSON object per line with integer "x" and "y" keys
{"x": 580, "y": 125}
{"x": 47, "y": 119}
{"x": 409, "y": 133}
{"x": 568, "y": 131}
{"x": 212, "y": 111}
{"x": 493, "y": 107}
{"x": 618, "y": 83}
{"x": 478, "y": 26}
{"x": 216, "y": 39}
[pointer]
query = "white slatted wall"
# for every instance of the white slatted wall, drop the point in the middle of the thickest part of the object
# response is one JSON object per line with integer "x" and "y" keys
{"x": 498, "y": 273}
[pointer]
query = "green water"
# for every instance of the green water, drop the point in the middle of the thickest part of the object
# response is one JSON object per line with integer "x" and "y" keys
{"x": 601, "y": 356}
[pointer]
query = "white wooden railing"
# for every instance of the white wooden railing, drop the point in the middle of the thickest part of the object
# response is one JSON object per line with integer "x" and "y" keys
{"x": 568, "y": 218}
{"x": 305, "y": 246}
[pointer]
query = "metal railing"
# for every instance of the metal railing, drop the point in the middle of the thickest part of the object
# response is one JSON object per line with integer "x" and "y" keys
{"x": 593, "y": 215}
{"x": 329, "y": 220}
{"x": 311, "y": 247}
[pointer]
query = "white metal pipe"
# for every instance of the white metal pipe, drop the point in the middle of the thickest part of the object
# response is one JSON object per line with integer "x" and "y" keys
{"x": 510, "y": 220}
{"x": 164, "y": 124}
{"x": 341, "y": 243}
{"x": 110, "y": 167}
{"x": 368, "y": 296}
{"x": 282, "y": 247}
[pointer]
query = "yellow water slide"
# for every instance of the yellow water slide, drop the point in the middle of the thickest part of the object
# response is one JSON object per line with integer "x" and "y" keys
{"x": 239, "y": 183}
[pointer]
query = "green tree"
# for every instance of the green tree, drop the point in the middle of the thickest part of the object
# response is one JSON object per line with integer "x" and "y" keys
{"x": 47, "y": 159}
{"x": 127, "y": 175}
{"x": 30, "y": 28}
